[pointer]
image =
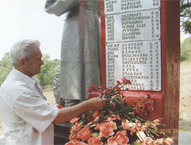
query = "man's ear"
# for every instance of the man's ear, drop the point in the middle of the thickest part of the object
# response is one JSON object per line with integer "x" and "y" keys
{"x": 22, "y": 62}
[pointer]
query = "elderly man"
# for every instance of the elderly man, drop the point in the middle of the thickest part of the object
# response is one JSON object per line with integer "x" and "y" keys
{"x": 26, "y": 115}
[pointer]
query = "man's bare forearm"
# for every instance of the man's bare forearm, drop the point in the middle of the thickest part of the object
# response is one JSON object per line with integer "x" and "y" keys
{"x": 68, "y": 113}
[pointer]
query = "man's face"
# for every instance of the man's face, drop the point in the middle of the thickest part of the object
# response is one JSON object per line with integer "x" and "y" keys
{"x": 33, "y": 62}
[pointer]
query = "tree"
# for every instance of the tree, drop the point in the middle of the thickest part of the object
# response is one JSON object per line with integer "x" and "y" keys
{"x": 48, "y": 71}
{"x": 185, "y": 15}
{"x": 5, "y": 67}
{"x": 186, "y": 50}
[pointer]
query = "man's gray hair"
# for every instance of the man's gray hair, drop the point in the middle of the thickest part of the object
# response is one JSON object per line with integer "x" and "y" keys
{"x": 22, "y": 49}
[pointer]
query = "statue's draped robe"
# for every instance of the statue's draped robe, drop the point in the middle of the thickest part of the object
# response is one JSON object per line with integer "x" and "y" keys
{"x": 80, "y": 48}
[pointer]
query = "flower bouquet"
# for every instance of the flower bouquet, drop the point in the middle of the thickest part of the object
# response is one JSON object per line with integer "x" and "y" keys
{"x": 117, "y": 123}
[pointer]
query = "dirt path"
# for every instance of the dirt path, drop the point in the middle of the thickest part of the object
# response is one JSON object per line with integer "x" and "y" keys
{"x": 0, "y": 128}
{"x": 185, "y": 96}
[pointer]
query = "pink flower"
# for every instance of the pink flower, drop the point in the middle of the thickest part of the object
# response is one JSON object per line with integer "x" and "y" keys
{"x": 168, "y": 141}
{"x": 75, "y": 143}
{"x": 75, "y": 127}
{"x": 96, "y": 119}
{"x": 133, "y": 130}
{"x": 125, "y": 125}
{"x": 144, "y": 127}
{"x": 111, "y": 118}
{"x": 158, "y": 142}
{"x": 94, "y": 141}
{"x": 97, "y": 126}
{"x": 113, "y": 125}
{"x": 74, "y": 130}
{"x": 84, "y": 133}
{"x": 95, "y": 114}
{"x": 114, "y": 117}
{"x": 137, "y": 125}
{"x": 138, "y": 141}
{"x": 147, "y": 141}
{"x": 70, "y": 143}
{"x": 156, "y": 122}
{"x": 106, "y": 130}
{"x": 74, "y": 120}
{"x": 117, "y": 117}
{"x": 121, "y": 138}
{"x": 73, "y": 137}
{"x": 111, "y": 141}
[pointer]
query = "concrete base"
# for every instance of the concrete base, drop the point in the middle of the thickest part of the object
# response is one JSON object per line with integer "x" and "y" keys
{"x": 184, "y": 137}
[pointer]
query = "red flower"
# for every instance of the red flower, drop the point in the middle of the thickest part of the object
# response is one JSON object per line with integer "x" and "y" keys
{"x": 118, "y": 88}
{"x": 133, "y": 113}
{"x": 126, "y": 81}
{"x": 97, "y": 88}
{"x": 106, "y": 91}
{"x": 91, "y": 88}
{"x": 118, "y": 82}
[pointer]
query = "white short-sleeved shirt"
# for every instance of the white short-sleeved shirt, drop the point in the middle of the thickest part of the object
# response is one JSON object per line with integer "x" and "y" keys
{"x": 26, "y": 116}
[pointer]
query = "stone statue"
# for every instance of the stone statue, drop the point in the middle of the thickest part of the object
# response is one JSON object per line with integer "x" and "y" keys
{"x": 80, "y": 48}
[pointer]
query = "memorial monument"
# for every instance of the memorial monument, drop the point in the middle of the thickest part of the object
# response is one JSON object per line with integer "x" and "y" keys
{"x": 141, "y": 42}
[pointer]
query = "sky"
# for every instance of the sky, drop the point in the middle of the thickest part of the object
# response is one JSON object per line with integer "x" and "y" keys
{"x": 26, "y": 19}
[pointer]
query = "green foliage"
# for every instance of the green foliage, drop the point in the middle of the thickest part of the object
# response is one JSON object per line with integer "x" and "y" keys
{"x": 48, "y": 71}
{"x": 185, "y": 14}
{"x": 5, "y": 67}
{"x": 186, "y": 50}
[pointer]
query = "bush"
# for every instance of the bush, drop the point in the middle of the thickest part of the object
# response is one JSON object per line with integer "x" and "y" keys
{"x": 5, "y": 67}
{"x": 186, "y": 50}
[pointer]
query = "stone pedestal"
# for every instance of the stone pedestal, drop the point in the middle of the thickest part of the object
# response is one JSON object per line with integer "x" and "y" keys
{"x": 61, "y": 133}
